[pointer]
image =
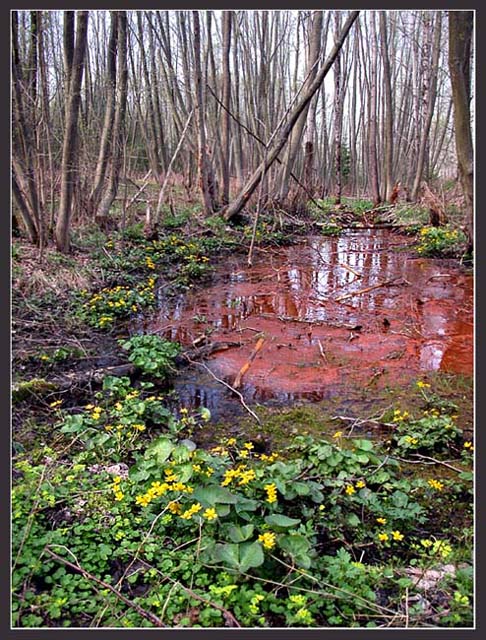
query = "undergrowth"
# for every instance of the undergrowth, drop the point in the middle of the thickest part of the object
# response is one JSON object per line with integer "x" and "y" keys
{"x": 124, "y": 521}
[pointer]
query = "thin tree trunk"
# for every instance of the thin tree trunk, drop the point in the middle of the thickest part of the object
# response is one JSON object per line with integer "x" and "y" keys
{"x": 69, "y": 164}
{"x": 460, "y": 37}
{"x": 119, "y": 123}
{"x": 432, "y": 94}
{"x": 106, "y": 133}
{"x": 375, "y": 183}
{"x": 388, "y": 109}
{"x": 205, "y": 172}
{"x": 240, "y": 201}
{"x": 225, "y": 165}
{"x": 296, "y": 135}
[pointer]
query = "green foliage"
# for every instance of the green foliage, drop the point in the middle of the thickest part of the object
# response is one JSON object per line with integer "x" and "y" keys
{"x": 441, "y": 241}
{"x": 330, "y": 229}
{"x": 153, "y": 355}
{"x": 102, "y": 308}
{"x": 316, "y": 535}
{"x": 112, "y": 428}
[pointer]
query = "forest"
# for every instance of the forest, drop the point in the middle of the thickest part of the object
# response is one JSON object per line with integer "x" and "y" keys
{"x": 242, "y": 321}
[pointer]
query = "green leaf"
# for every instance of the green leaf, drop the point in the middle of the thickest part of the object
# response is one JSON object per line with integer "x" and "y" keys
{"x": 184, "y": 472}
{"x": 241, "y": 533}
{"x": 363, "y": 445}
{"x": 399, "y": 499}
{"x": 189, "y": 444}
{"x": 161, "y": 449}
{"x": 281, "y": 521}
{"x": 353, "y": 520}
{"x": 180, "y": 453}
{"x": 251, "y": 555}
{"x": 245, "y": 504}
{"x": 301, "y": 488}
{"x": 240, "y": 556}
{"x": 297, "y": 546}
{"x": 214, "y": 494}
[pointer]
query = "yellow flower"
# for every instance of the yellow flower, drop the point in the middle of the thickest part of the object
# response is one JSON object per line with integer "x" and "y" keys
{"x": 397, "y": 535}
{"x": 381, "y": 520}
{"x": 350, "y": 490}
{"x": 467, "y": 445}
{"x": 436, "y": 484}
{"x": 423, "y": 385}
{"x": 174, "y": 507}
{"x": 57, "y": 403}
{"x": 338, "y": 434}
{"x": 231, "y": 441}
{"x": 210, "y": 514}
{"x": 267, "y": 539}
{"x": 248, "y": 445}
{"x": 360, "y": 484}
{"x": 187, "y": 515}
{"x": 383, "y": 537}
{"x": 271, "y": 490}
{"x": 243, "y": 453}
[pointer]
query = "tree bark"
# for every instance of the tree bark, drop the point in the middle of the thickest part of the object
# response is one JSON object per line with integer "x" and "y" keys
{"x": 106, "y": 134}
{"x": 119, "y": 123}
{"x": 225, "y": 165}
{"x": 205, "y": 171}
{"x": 388, "y": 109}
{"x": 460, "y": 37}
{"x": 432, "y": 93}
{"x": 240, "y": 201}
{"x": 69, "y": 164}
{"x": 296, "y": 135}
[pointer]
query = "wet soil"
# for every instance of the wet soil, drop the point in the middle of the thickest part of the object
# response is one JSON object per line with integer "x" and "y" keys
{"x": 337, "y": 316}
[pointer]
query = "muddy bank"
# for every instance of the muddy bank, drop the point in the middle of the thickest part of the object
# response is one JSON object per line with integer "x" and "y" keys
{"x": 328, "y": 317}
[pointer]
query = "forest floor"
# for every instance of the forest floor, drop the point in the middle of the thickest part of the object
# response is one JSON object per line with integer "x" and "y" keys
{"x": 297, "y": 433}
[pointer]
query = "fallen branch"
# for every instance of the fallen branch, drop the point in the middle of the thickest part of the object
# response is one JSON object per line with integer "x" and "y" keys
{"x": 228, "y": 386}
{"x": 345, "y": 266}
{"x": 145, "y": 614}
{"x": 247, "y": 364}
{"x": 322, "y": 352}
{"x": 366, "y": 290}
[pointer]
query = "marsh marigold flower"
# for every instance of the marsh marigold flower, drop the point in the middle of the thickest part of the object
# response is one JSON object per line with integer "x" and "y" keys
{"x": 267, "y": 539}
{"x": 271, "y": 490}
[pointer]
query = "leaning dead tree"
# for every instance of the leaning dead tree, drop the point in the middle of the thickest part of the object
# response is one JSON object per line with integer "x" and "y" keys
{"x": 245, "y": 194}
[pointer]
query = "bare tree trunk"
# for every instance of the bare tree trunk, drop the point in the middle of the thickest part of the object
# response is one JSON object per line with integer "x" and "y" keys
{"x": 119, "y": 123}
{"x": 205, "y": 171}
{"x": 338, "y": 119}
{"x": 375, "y": 183}
{"x": 389, "y": 109}
{"x": 69, "y": 164}
{"x": 23, "y": 144}
{"x": 432, "y": 93}
{"x": 460, "y": 37}
{"x": 240, "y": 201}
{"x": 225, "y": 165}
{"x": 106, "y": 134}
{"x": 296, "y": 135}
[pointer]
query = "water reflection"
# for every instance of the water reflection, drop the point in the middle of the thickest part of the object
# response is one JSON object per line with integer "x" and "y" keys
{"x": 309, "y": 295}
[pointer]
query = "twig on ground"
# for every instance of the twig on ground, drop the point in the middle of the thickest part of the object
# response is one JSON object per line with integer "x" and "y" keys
{"x": 228, "y": 386}
{"x": 145, "y": 614}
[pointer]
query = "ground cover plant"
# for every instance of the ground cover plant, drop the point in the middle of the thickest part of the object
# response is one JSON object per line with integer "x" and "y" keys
{"x": 124, "y": 514}
{"x": 329, "y": 532}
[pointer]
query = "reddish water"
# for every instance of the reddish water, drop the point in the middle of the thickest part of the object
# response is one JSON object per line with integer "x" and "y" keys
{"x": 319, "y": 340}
